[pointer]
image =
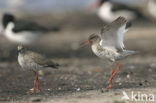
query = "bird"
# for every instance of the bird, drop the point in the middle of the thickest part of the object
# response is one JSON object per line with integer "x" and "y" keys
{"x": 22, "y": 31}
{"x": 109, "y": 45}
{"x": 33, "y": 61}
{"x": 148, "y": 9}
{"x": 109, "y": 10}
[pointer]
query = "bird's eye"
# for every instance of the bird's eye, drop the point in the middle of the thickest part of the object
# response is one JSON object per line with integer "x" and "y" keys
{"x": 92, "y": 37}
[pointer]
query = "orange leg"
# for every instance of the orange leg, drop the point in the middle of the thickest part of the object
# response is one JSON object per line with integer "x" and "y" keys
{"x": 36, "y": 83}
{"x": 109, "y": 81}
{"x": 112, "y": 76}
{"x": 38, "y": 89}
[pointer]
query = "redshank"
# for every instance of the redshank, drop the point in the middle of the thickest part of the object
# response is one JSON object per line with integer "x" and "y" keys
{"x": 29, "y": 60}
{"x": 110, "y": 45}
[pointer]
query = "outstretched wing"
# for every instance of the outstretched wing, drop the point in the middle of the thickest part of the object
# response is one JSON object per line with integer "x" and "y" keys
{"x": 112, "y": 34}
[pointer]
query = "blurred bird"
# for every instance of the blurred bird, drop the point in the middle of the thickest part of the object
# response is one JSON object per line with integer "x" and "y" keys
{"x": 148, "y": 9}
{"x": 24, "y": 32}
{"x": 110, "y": 45}
{"x": 29, "y": 60}
{"x": 109, "y": 10}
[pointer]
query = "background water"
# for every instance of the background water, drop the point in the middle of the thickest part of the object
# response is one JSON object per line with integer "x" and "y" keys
{"x": 51, "y": 5}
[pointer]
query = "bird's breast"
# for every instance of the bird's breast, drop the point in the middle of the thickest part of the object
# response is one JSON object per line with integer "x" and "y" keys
{"x": 21, "y": 60}
{"x": 104, "y": 53}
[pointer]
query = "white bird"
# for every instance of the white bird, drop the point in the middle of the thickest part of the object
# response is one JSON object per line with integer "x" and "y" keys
{"x": 21, "y": 31}
{"x": 148, "y": 9}
{"x": 106, "y": 13}
{"x": 109, "y": 10}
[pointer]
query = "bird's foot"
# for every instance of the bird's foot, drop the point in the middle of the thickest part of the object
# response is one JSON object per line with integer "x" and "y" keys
{"x": 31, "y": 91}
{"x": 104, "y": 90}
{"x": 38, "y": 91}
{"x": 109, "y": 86}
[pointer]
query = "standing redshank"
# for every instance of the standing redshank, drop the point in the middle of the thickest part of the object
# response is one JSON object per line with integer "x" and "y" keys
{"x": 110, "y": 45}
{"x": 29, "y": 60}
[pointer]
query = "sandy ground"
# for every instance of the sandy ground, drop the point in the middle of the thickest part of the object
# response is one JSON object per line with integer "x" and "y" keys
{"x": 81, "y": 74}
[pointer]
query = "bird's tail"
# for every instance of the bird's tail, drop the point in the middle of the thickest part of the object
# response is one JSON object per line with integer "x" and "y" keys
{"x": 52, "y": 64}
{"x": 128, "y": 53}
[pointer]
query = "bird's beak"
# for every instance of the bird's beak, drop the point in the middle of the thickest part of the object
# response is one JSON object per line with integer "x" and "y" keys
{"x": 85, "y": 43}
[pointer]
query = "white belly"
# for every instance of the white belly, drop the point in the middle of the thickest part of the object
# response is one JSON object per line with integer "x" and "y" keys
{"x": 105, "y": 53}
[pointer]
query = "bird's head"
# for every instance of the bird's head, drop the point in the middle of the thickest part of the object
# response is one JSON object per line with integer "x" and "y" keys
{"x": 7, "y": 18}
{"x": 93, "y": 38}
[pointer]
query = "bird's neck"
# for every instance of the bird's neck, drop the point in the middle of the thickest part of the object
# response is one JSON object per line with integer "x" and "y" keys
{"x": 22, "y": 51}
{"x": 10, "y": 26}
{"x": 95, "y": 46}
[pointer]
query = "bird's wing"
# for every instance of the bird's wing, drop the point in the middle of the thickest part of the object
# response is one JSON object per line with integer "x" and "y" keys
{"x": 112, "y": 34}
{"x": 41, "y": 60}
{"x": 27, "y": 26}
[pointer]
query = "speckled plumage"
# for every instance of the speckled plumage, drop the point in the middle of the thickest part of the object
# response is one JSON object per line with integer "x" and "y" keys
{"x": 105, "y": 53}
{"x": 110, "y": 44}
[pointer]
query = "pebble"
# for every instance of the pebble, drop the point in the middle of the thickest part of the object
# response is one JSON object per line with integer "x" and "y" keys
{"x": 48, "y": 89}
{"x": 120, "y": 84}
{"x": 128, "y": 76}
{"x": 40, "y": 72}
{"x": 78, "y": 89}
